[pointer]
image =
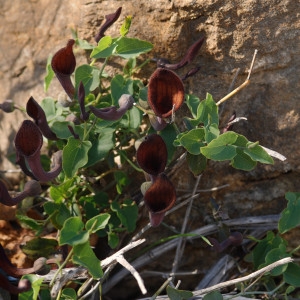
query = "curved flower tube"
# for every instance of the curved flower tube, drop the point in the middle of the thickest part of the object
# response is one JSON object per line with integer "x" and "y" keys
{"x": 159, "y": 198}
{"x": 112, "y": 113}
{"x": 157, "y": 123}
{"x": 31, "y": 188}
{"x": 39, "y": 267}
{"x": 188, "y": 58}
{"x": 165, "y": 92}
{"x": 235, "y": 239}
{"x": 28, "y": 143}
{"x": 24, "y": 285}
{"x": 63, "y": 64}
{"x": 20, "y": 160}
{"x": 152, "y": 154}
{"x": 109, "y": 20}
{"x": 35, "y": 111}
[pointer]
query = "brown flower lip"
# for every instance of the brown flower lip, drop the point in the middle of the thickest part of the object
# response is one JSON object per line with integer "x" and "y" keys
{"x": 159, "y": 198}
{"x": 165, "y": 92}
{"x": 63, "y": 64}
{"x": 31, "y": 188}
{"x": 109, "y": 20}
{"x": 35, "y": 111}
{"x": 152, "y": 154}
{"x": 28, "y": 143}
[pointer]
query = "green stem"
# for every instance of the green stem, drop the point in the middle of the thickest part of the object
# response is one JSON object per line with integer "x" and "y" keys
{"x": 146, "y": 111}
{"x": 61, "y": 267}
{"x": 130, "y": 162}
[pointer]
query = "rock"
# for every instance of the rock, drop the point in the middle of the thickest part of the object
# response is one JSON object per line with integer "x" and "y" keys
{"x": 30, "y": 31}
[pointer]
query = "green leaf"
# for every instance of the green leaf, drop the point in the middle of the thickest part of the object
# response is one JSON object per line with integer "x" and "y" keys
{"x": 61, "y": 129}
{"x": 39, "y": 247}
{"x": 113, "y": 239}
{"x": 211, "y": 132}
{"x": 132, "y": 47}
{"x": 58, "y": 213}
{"x": 197, "y": 163}
{"x": 275, "y": 255}
{"x": 35, "y": 225}
{"x": 193, "y": 140}
{"x": 63, "y": 191}
{"x": 127, "y": 212}
{"x": 135, "y": 117}
{"x": 243, "y": 161}
{"x": 207, "y": 111}
{"x": 33, "y": 293}
{"x": 68, "y": 294}
{"x": 83, "y": 44}
{"x": 292, "y": 275}
{"x": 97, "y": 223}
{"x": 290, "y": 216}
{"x": 75, "y": 155}
{"x": 125, "y": 26}
{"x": 48, "y": 105}
{"x": 258, "y": 153}
{"x": 175, "y": 294}
{"x": 85, "y": 256}
{"x": 122, "y": 180}
{"x": 264, "y": 246}
{"x": 169, "y": 134}
{"x": 119, "y": 86}
{"x": 192, "y": 102}
{"x": 89, "y": 76}
{"x": 214, "y": 295}
{"x": 101, "y": 146}
{"x": 221, "y": 148}
{"x": 105, "y": 48}
{"x": 73, "y": 233}
{"x": 49, "y": 74}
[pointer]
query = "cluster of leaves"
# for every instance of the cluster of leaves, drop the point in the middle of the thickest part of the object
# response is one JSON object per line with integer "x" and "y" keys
{"x": 77, "y": 207}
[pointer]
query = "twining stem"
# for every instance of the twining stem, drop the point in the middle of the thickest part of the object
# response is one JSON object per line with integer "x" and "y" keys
{"x": 61, "y": 267}
{"x": 161, "y": 289}
{"x": 245, "y": 83}
{"x": 130, "y": 162}
{"x": 179, "y": 249}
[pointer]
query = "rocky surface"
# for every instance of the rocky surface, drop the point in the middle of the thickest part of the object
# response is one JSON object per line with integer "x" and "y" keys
{"x": 31, "y": 30}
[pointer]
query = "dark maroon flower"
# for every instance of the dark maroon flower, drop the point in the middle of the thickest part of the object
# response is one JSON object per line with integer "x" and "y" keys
{"x": 190, "y": 73}
{"x": 188, "y": 58}
{"x": 165, "y": 92}
{"x": 24, "y": 285}
{"x": 113, "y": 113}
{"x": 109, "y": 20}
{"x": 28, "y": 143}
{"x": 31, "y": 188}
{"x": 152, "y": 154}
{"x": 7, "y": 106}
{"x": 159, "y": 194}
{"x": 159, "y": 198}
{"x": 235, "y": 239}
{"x": 35, "y": 111}
{"x": 63, "y": 64}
